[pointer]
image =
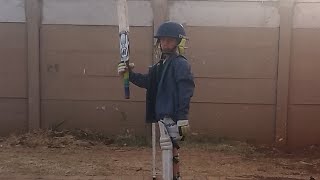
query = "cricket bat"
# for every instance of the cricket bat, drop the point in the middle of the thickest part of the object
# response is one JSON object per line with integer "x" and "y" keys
{"x": 122, "y": 9}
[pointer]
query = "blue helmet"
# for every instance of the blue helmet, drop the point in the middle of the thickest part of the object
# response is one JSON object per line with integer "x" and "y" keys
{"x": 171, "y": 29}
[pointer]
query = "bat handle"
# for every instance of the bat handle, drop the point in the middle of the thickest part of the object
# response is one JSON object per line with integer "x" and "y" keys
{"x": 126, "y": 85}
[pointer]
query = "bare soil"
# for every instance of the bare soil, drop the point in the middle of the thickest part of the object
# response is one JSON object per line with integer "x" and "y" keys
{"x": 83, "y": 153}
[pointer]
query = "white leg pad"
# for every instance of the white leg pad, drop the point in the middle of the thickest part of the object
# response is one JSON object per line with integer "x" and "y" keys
{"x": 167, "y": 156}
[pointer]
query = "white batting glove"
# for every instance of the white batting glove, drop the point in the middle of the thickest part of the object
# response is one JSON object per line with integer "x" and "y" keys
{"x": 122, "y": 68}
{"x": 184, "y": 128}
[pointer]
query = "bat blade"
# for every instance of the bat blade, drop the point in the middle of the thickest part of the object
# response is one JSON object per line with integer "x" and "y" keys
{"x": 122, "y": 9}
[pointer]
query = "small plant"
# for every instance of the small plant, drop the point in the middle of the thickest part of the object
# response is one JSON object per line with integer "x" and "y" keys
{"x": 55, "y": 126}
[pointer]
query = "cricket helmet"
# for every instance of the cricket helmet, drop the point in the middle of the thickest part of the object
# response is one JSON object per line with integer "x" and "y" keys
{"x": 171, "y": 29}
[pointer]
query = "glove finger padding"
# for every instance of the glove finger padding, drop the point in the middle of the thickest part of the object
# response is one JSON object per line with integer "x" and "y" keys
{"x": 122, "y": 67}
{"x": 184, "y": 128}
{"x": 131, "y": 65}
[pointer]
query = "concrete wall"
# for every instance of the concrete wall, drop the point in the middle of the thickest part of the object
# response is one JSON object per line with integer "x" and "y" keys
{"x": 233, "y": 50}
{"x": 241, "y": 82}
{"x": 234, "y": 53}
{"x": 13, "y": 67}
{"x": 79, "y": 56}
{"x": 304, "y": 99}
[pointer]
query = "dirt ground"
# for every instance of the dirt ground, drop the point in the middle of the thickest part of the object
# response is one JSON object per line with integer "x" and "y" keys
{"x": 67, "y": 154}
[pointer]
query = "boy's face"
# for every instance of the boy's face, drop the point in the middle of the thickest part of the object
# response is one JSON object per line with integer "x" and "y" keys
{"x": 168, "y": 44}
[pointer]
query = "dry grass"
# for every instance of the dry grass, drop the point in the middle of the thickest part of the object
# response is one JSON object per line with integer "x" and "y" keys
{"x": 87, "y": 138}
{"x": 56, "y": 139}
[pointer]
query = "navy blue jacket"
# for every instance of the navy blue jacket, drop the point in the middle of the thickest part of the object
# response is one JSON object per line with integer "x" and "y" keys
{"x": 172, "y": 94}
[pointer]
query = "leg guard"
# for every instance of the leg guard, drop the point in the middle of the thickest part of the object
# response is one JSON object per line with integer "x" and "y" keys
{"x": 167, "y": 156}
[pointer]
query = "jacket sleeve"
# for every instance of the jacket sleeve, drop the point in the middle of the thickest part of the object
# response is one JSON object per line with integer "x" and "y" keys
{"x": 185, "y": 88}
{"x": 138, "y": 79}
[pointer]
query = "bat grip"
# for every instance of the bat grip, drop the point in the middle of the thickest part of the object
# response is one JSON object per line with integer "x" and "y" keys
{"x": 126, "y": 85}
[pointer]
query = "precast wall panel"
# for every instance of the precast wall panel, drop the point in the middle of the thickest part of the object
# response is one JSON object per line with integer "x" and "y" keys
{"x": 79, "y": 57}
{"x": 13, "y": 67}
{"x": 233, "y": 50}
{"x": 304, "y": 91}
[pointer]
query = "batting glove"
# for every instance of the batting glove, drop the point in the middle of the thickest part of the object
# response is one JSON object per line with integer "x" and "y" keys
{"x": 122, "y": 68}
{"x": 184, "y": 128}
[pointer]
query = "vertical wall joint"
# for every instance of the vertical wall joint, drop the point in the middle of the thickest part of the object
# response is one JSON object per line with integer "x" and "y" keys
{"x": 286, "y": 19}
{"x": 33, "y": 18}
